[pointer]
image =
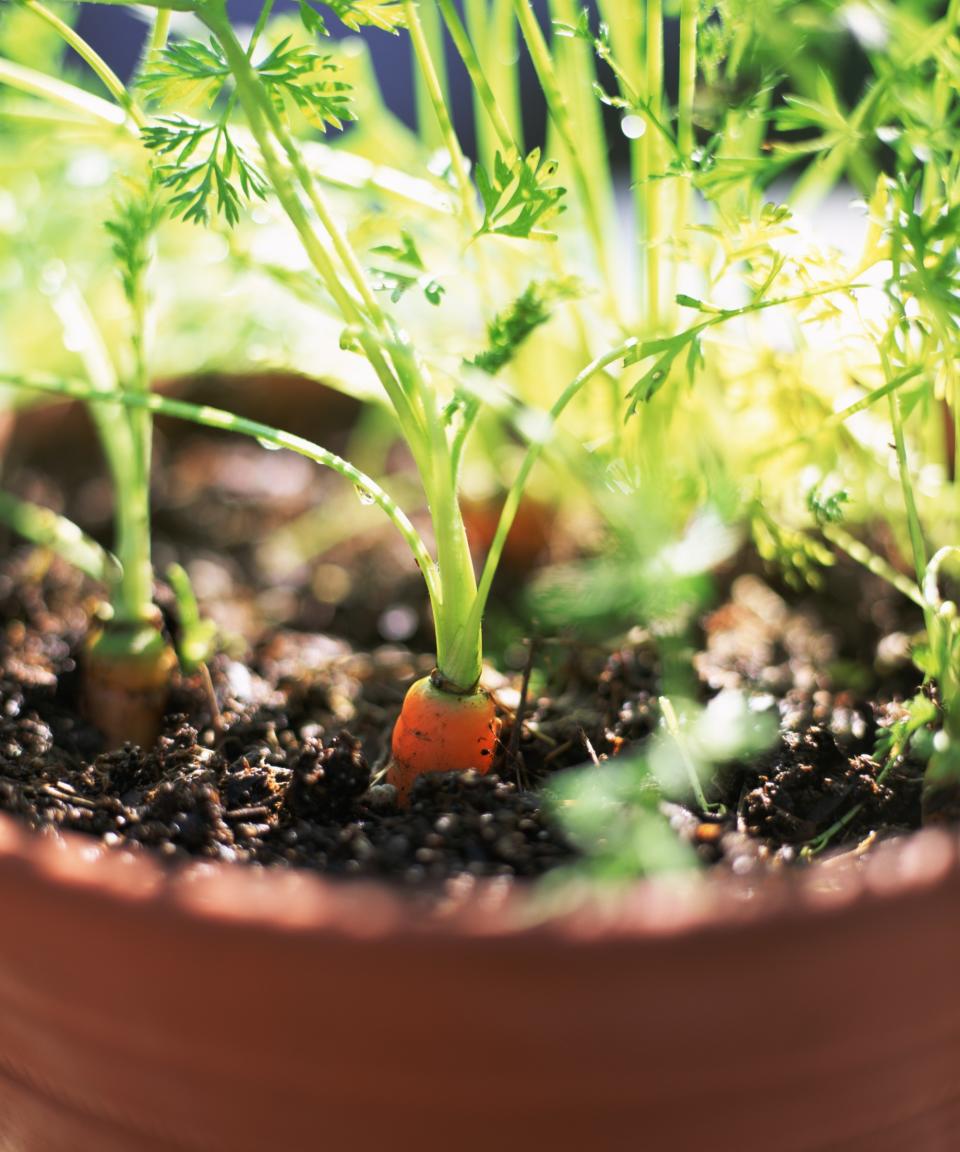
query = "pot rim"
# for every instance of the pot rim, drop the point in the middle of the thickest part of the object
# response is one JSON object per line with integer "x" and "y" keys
{"x": 297, "y": 902}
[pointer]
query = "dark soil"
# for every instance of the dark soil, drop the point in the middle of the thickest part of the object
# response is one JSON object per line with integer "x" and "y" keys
{"x": 279, "y": 780}
{"x": 287, "y": 774}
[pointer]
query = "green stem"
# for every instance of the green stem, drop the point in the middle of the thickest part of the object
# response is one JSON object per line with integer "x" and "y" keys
{"x": 133, "y": 497}
{"x": 576, "y": 69}
{"x": 154, "y": 43}
{"x": 495, "y": 116}
{"x": 122, "y": 438}
{"x": 110, "y": 80}
{"x": 625, "y": 22}
{"x": 512, "y": 502}
{"x": 42, "y": 526}
{"x": 428, "y": 127}
{"x": 266, "y": 8}
{"x": 434, "y": 90}
{"x": 819, "y": 843}
{"x": 209, "y": 417}
{"x": 172, "y": 5}
{"x": 477, "y": 15}
{"x": 888, "y": 343}
{"x": 468, "y": 419}
{"x": 917, "y": 543}
{"x": 459, "y": 635}
{"x": 502, "y": 70}
{"x": 262, "y": 118}
{"x": 268, "y": 116}
{"x": 409, "y": 391}
{"x": 654, "y": 163}
{"x": 59, "y": 92}
{"x": 943, "y": 639}
{"x": 133, "y": 595}
{"x": 672, "y": 724}
{"x": 82, "y": 334}
{"x": 689, "y": 11}
{"x": 686, "y": 95}
{"x": 340, "y": 168}
{"x": 559, "y": 112}
{"x": 160, "y": 33}
{"x": 859, "y": 552}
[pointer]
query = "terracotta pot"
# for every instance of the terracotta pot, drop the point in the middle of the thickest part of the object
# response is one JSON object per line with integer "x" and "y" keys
{"x": 529, "y": 537}
{"x": 221, "y": 1009}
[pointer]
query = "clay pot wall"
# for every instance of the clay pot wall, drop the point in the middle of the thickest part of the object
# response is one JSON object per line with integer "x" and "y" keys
{"x": 222, "y": 1009}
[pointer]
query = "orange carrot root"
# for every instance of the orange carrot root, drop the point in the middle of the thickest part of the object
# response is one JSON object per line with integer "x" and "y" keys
{"x": 440, "y": 731}
{"x": 125, "y": 693}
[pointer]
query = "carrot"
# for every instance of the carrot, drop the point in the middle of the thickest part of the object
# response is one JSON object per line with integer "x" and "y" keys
{"x": 127, "y": 674}
{"x": 441, "y": 731}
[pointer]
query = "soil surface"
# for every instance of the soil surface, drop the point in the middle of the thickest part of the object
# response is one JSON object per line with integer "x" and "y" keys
{"x": 284, "y": 771}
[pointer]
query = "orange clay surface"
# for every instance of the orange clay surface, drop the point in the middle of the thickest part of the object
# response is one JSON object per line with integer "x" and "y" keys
{"x": 438, "y": 731}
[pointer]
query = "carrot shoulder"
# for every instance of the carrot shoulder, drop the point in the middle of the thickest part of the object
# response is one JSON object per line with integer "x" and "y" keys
{"x": 127, "y": 674}
{"x": 441, "y": 731}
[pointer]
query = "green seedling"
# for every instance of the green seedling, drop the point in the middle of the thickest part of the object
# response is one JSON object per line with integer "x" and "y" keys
{"x": 537, "y": 303}
{"x": 618, "y": 812}
{"x": 513, "y": 197}
{"x": 43, "y": 527}
{"x": 128, "y": 663}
